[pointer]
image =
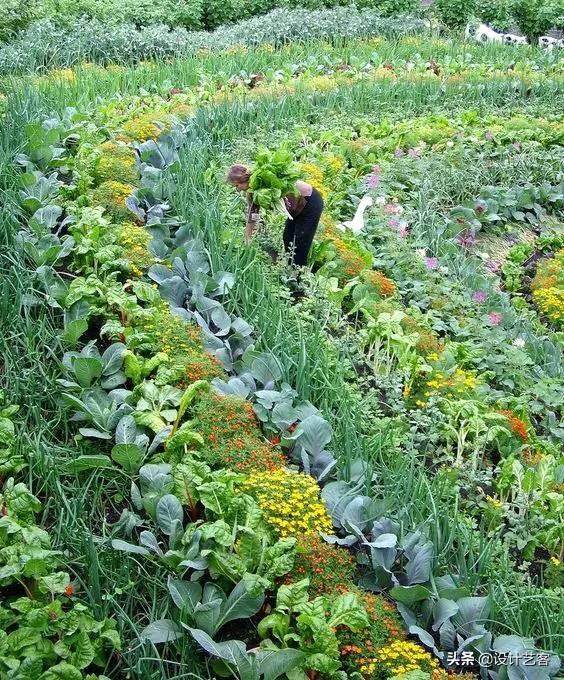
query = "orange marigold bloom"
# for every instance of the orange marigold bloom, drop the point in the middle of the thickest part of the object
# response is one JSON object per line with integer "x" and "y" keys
{"x": 516, "y": 424}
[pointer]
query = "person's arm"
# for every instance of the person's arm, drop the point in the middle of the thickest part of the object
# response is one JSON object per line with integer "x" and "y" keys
{"x": 253, "y": 216}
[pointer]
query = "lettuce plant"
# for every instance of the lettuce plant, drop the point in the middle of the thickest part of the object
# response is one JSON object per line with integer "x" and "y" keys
{"x": 274, "y": 176}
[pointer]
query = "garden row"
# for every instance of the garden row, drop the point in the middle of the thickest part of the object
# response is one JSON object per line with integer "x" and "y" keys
{"x": 214, "y": 472}
{"x": 243, "y": 507}
{"x": 533, "y": 17}
{"x": 48, "y": 44}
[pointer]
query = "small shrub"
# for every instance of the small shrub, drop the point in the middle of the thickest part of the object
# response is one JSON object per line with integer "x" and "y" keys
{"x": 548, "y": 288}
{"x": 111, "y": 195}
{"x": 358, "y": 649}
{"x": 497, "y": 14}
{"x": 379, "y": 282}
{"x": 135, "y": 240}
{"x": 330, "y": 569}
{"x": 536, "y": 17}
{"x": 289, "y": 502}
{"x": 15, "y": 15}
{"x": 391, "y": 8}
{"x": 454, "y": 13}
{"x": 116, "y": 162}
{"x": 187, "y": 13}
{"x": 141, "y": 129}
{"x": 230, "y": 429}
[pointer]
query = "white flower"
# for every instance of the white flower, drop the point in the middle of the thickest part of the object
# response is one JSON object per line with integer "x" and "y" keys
{"x": 450, "y": 144}
{"x": 380, "y": 200}
{"x": 518, "y": 342}
{"x": 421, "y": 252}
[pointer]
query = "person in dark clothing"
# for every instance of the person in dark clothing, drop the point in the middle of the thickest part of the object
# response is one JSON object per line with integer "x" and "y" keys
{"x": 303, "y": 210}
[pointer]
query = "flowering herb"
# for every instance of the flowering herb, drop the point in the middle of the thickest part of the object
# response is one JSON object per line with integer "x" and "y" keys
{"x": 328, "y": 568}
{"x": 289, "y": 502}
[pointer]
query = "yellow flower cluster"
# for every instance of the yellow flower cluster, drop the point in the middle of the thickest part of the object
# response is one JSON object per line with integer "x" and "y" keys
{"x": 457, "y": 382}
{"x": 111, "y": 196}
{"x": 551, "y": 303}
{"x": 494, "y": 503}
{"x": 174, "y": 336}
{"x": 323, "y": 83}
{"x": 141, "y": 129}
{"x": 314, "y": 175}
{"x": 548, "y": 288}
{"x": 334, "y": 163}
{"x": 402, "y": 656}
{"x": 289, "y": 502}
{"x": 117, "y": 162}
{"x": 63, "y": 74}
{"x": 135, "y": 241}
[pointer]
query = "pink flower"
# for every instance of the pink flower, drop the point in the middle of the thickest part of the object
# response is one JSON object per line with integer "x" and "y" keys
{"x": 495, "y": 318}
{"x": 480, "y": 296}
{"x": 374, "y": 177}
{"x": 466, "y": 239}
{"x": 517, "y": 146}
{"x": 403, "y": 231}
{"x": 394, "y": 223}
{"x": 399, "y": 153}
{"x": 489, "y": 135}
{"x": 414, "y": 153}
{"x": 431, "y": 262}
{"x": 392, "y": 209}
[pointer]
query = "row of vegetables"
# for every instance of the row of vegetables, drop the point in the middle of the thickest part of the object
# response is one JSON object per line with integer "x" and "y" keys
{"x": 460, "y": 347}
{"x": 167, "y": 386}
{"x": 246, "y": 508}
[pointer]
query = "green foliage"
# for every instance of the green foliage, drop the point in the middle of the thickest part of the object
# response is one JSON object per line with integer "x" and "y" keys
{"x": 41, "y": 628}
{"x": 48, "y": 44}
{"x": 15, "y": 15}
{"x": 52, "y": 638}
{"x": 390, "y": 8}
{"x": 497, "y": 13}
{"x": 311, "y": 625}
{"x": 186, "y": 13}
{"x": 454, "y": 13}
{"x": 536, "y": 17}
{"x": 227, "y": 548}
{"x": 219, "y": 12}
{"x": 10, "y": 460}
{"x": 274, "y": 176}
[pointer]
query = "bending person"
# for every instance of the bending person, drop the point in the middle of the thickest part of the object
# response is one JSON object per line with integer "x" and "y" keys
{"x": 303, "y": 211}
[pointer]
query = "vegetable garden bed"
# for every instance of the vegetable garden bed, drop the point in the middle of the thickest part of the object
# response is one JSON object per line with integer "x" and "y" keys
{"x": 226, "y": 470}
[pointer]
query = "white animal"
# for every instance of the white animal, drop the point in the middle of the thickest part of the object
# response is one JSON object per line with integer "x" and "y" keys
{"x": 470, "y": 31}
{"x": 485, "y": 34}
{"x": 356, "y": 225}
{"x": 510, "y": 39}
{"x": 548, "y": 43}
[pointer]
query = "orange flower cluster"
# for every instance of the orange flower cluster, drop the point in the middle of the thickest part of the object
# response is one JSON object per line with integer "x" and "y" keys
{"x": 248, "y": 455}
{"x": 384, "y": 286}
{"x": 516, "y": 424}
{"x": 330, "y": 569}
{"x": 353, "y": 260}
{"x": 532, "y": 457}
{"x": 359, "y": 649}
{"x": 231, "y": 430}
{"x": 202, "y": 366}
{"x": 428, "y": 342}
